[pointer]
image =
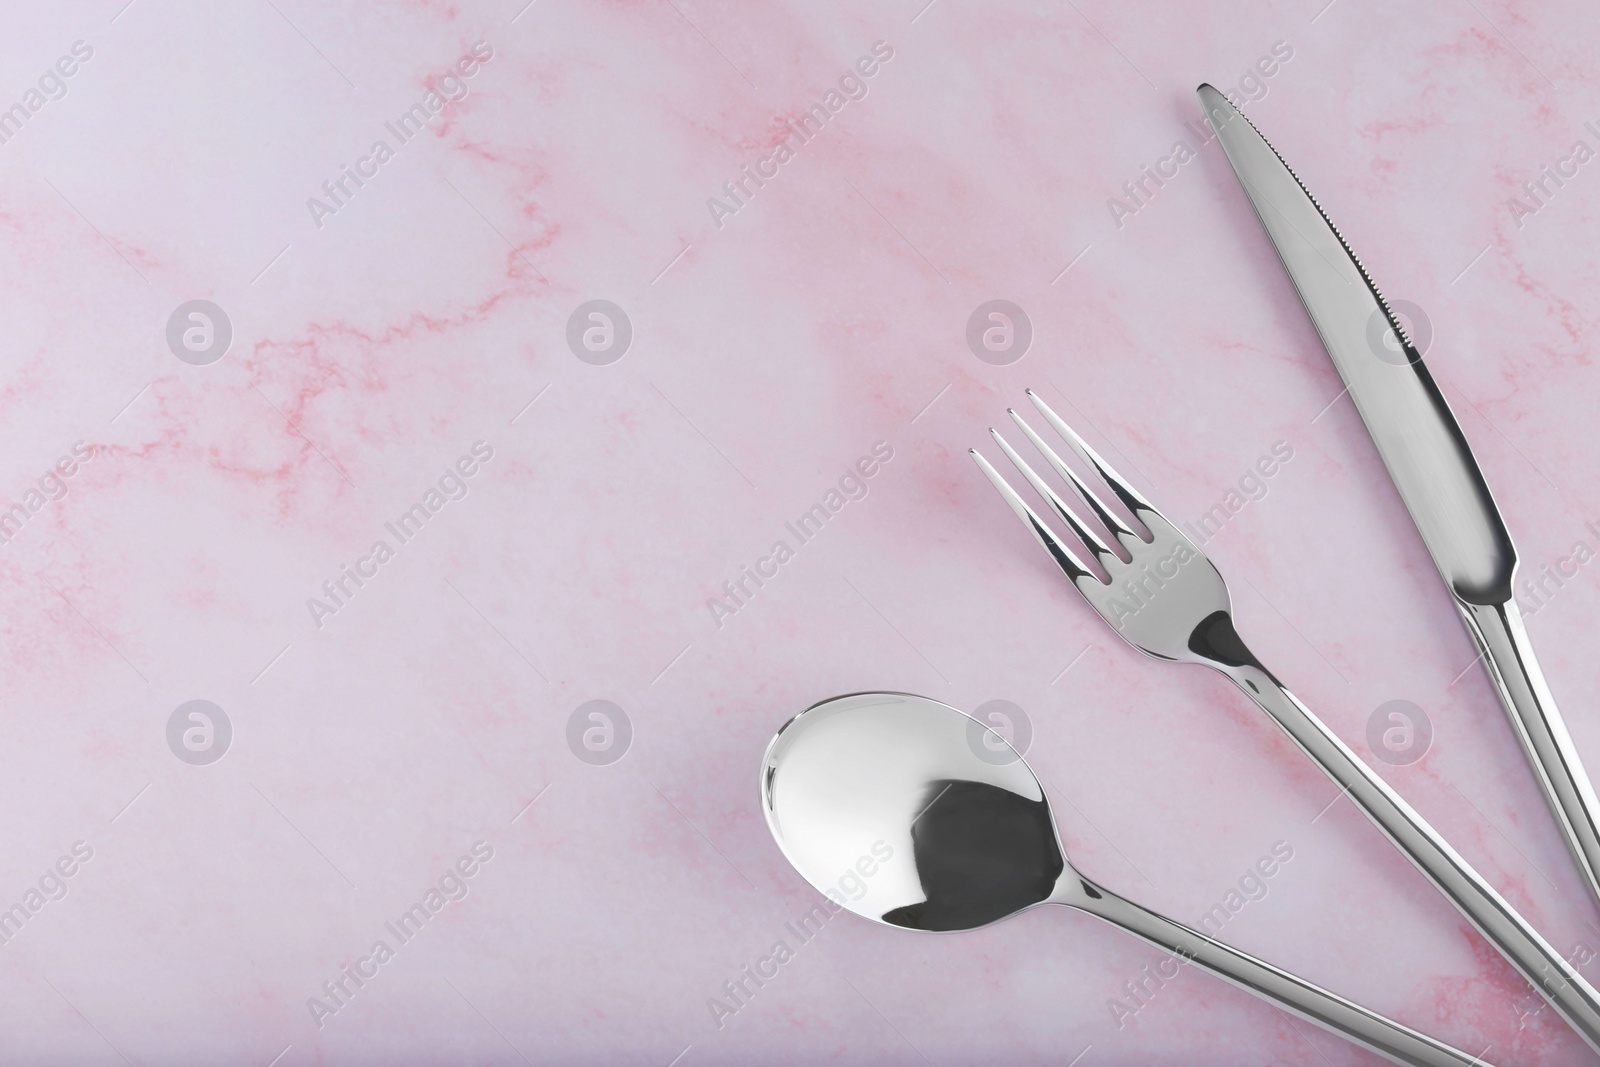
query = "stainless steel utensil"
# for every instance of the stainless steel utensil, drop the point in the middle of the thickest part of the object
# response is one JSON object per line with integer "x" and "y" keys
{"x": 889, "y": 792}
{"x": 1427, "y": 458}
{"x": 1164, "y": 597}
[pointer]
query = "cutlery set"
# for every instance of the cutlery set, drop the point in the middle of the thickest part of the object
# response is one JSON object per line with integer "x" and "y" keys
{"x": 973, "y": 838}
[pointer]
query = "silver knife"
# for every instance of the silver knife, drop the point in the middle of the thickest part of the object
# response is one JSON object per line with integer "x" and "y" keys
{"x": 1428, "y": 459}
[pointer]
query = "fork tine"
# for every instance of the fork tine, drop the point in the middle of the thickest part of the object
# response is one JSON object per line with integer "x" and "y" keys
{"x": 1111, "y": 519}
{"x": 1086, "y": 534}
{"x": 1130, "y": 496}
{"x": 1073, "y": 567}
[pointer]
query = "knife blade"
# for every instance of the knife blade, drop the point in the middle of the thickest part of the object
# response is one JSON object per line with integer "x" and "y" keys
{"x": 1427, "y": 458}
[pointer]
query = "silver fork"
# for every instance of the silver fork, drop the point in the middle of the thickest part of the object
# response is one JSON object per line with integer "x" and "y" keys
{"x": 1165, "y": 598}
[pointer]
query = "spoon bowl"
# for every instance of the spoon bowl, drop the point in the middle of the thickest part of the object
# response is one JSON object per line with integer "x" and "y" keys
{"x": 961, "y": 840}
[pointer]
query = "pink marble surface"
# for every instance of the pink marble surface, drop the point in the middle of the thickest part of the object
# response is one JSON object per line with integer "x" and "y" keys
{"x": 375, "y": 343}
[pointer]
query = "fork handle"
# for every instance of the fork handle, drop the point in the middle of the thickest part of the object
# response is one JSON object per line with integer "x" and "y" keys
{"x": 1394, "y": 1041}
{"x": 1505, "y": 648}
{"x": 1573, "y": 998}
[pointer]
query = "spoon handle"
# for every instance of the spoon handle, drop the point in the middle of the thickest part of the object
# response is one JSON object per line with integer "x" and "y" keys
{"x": 1574, "y": 999}
{"x": 1394, "y": 1041}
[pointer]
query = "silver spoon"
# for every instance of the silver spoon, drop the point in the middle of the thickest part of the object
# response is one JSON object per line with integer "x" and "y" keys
{"x": 913, "y": 814}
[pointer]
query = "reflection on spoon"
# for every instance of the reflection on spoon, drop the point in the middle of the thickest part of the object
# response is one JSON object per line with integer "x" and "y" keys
{"x": 969, "y": 842}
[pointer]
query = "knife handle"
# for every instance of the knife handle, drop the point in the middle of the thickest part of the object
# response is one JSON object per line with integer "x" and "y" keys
{"x": 1556, "y": 980}
{"x": 1504, "y": 647}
